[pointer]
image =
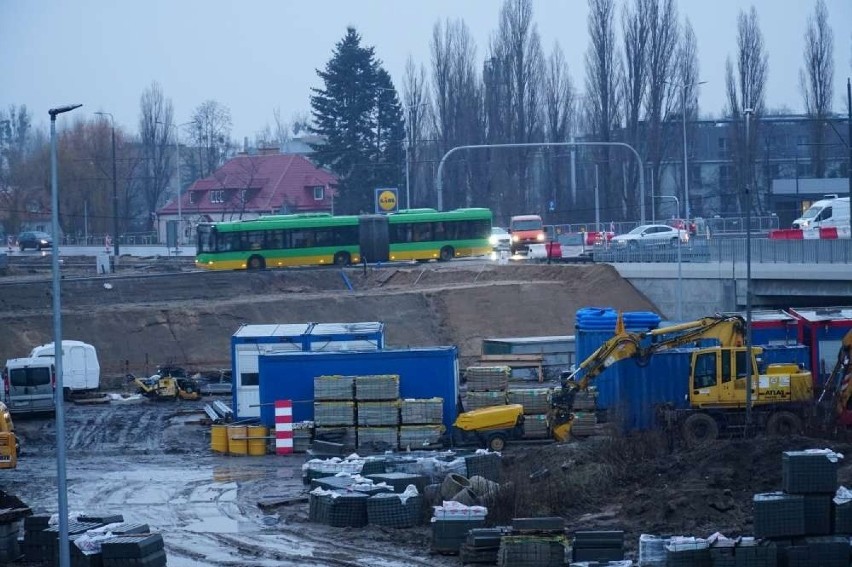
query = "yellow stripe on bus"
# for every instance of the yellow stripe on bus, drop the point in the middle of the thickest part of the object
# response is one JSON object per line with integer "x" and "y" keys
{"x": 272, "y": 262}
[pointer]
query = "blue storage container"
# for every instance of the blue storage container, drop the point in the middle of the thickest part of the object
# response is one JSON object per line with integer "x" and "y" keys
{"x": 596, "y": 325}
{"x": 798, "y": 354}
{"x": 423, "y": 373}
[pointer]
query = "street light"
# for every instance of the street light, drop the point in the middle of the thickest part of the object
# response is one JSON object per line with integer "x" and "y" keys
{"x": 177, "y": 172}
{"x": 114, "y": 188}
{"x": 679, "y": 263}
{"x": 748, "y": 112}
{"x": 683, "y": 87}
{"x": 61, "y": 480}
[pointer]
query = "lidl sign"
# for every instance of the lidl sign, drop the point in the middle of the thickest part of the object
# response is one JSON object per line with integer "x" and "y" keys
{"x": 387, "y": 200}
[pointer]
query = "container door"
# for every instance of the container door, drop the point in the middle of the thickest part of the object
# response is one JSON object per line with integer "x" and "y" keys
{"x": 19, "y": 399}
{"x": 247, "y": 381}
{"x": 74, "y": 369}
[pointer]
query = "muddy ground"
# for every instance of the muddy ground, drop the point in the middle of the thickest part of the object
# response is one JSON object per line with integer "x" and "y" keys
{"x": 165, "y": 314}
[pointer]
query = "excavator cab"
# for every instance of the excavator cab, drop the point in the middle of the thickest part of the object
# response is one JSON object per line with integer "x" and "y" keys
{"x": 8, "y": 441}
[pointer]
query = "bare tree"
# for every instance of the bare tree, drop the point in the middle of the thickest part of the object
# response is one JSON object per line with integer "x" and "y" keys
{"x": 687, "y": 73}
{"x": 558, "y": 118}
{"x": 746, "y": 90}
{"x": 415, "y": 96}
{"x": 18, "y": 185}
{"x": 211, "y": 132}
{"x": 155, "y": 120}
{"x": 817, "y": 81}
{"x": 636, "y": 28}
{"x": 601, "y": 89}
{"x": 662, "y": 73}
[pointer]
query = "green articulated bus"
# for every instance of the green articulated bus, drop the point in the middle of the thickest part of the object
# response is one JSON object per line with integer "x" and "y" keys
{"x": 316, "y": 239}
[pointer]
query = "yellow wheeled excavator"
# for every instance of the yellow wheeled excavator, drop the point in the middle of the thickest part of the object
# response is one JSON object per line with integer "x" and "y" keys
{"x": 782, "y": 394}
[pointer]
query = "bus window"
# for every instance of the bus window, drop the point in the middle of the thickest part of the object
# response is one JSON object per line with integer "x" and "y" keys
{"x": 438, "y": 231}
{"x": 422, "y": 232}
{"x": 345, "y": 235}
{"x": 302, "y": 238}
{"x": 323, "y": 237}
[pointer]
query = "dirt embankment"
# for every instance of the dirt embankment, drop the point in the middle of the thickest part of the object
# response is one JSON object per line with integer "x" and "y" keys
{"x": 139, "y": 321}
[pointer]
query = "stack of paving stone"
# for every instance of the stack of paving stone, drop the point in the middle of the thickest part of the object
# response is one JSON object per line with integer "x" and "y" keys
{"x": 535, "y": 542}
{"x": 536, "y": 402}
{"x": 395, "y": 510}
{"x": 486, "y": 386}
{"x": 334, "y": 414}
{"x": 798, "y": 519}
{"x": 302, "y": 436}
{"x": 482, "y": 545}
{"x": 688, "y": 552}
{"x": 134, "y": 550}
{"x": 598, "y": 546}
{"x": 451, "y": 524}
{"x": 486, "y": 464}
{"x": 334, "y": 388}
{"x": 378, "y": 412}
{"x": 421, "y": 423}
{"x": 339, "y": 509}
{"x": 584, "y": 425}
{"x": 743, "y": 552}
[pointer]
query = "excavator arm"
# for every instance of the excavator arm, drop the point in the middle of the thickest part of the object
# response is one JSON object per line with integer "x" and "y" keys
{"x": 834, "y": 400}
{"x": 728, "y": 330}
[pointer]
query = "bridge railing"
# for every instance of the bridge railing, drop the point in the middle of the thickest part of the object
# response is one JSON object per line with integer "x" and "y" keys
{"x": 730, "y": 250}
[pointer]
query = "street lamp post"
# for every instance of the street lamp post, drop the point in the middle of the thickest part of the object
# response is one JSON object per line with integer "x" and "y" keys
{"x": 748, "y": 112}
{"x": 61, "y": 480}
{"x": 683, "y": 87}
{"x": 114, "y": 189}
{"x": 679, "y": 263}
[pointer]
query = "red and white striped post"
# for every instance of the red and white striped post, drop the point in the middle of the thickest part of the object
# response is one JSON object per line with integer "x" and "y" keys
{"x": 283, "y": 427}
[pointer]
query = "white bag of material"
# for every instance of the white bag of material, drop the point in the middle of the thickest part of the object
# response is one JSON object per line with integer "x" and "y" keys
{"x": 829, "y": 454}
{"x": 409, "y": 491}
{"x": 681, "y": 543}
{"x": 452, "y": 510}
{"x": 652, "y": 550}
{"x": 842, "y": 496}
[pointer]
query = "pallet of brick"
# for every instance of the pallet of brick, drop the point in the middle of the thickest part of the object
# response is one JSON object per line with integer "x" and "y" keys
{"x": 377, "y": 387}
{"x": 536, "y": 427}
{"x": 584, "y": 424}
{"x": 378, "y": 438}
{"x": 422, "y": 411}
{"x": 777, "y": 514}
{"x": 477, "y": 400}
{"x": 420, "y": 436}
{"x": 378, "y": 413}
{"x": 809, "y": 472}
{"x": 532, "y": 551}
{"x": 585, "y": 401}
{"x": 302, "y": 436}
{"x": 334, "y": 413}
{"x": 841, "y": 510}
{"x": 487, "y": 378}
{"x": 346, "y": 436}
{"x": 817, "y": 514}
{"x": 334, "y": 388}
{"x": 535, "y": 400}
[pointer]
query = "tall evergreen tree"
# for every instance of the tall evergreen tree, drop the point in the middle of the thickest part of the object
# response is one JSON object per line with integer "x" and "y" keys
{"x": 357, "y": 112}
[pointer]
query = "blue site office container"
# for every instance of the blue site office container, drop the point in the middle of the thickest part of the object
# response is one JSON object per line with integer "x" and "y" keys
{"x": 772, "y": 327}
{"x": 251, "y": 341}
{"x": 423, "y": 373}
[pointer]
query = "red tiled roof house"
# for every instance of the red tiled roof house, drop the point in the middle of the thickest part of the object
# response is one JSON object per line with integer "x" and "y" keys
{"x": 248, "y": 186}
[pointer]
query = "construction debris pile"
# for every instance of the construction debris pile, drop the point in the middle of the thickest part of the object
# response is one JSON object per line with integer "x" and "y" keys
{"x": 96, "y": 540}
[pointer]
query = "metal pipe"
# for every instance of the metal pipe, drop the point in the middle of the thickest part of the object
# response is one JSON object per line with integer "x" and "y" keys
{"x": 685, "y": 164}
{"x": 748, "y": 112}
{"x": 440, "y": 183}
{"x": 61, "y": 477}
{"x": 597, "y": 203}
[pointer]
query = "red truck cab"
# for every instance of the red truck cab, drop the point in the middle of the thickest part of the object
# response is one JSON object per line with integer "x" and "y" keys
{"x": 526, "y": 230}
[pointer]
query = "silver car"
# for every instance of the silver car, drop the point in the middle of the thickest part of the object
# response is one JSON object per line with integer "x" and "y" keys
{"x": 500, "y": 239}
{"x": 651, "y": 234}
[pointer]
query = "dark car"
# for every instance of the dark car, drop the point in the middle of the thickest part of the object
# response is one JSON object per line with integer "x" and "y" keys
{"x": 34, "y": 239}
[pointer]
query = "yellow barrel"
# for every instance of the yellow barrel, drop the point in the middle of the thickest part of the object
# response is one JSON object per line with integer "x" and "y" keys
{"x": 219, "y": 439}
{"x": 257, "y": 440}
{"x": 237, "y": 442}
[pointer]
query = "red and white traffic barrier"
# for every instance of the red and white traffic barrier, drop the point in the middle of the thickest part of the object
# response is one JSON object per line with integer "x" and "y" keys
{"x": 828, "y": 233}
{"x": 283, "y": 427}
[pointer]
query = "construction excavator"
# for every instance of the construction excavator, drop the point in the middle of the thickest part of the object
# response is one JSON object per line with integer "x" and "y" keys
{"x": 9, "y": 446}
{"x": 169, "y": 383}
{"x": 835, "y": 401}
{"x": 782, "y": 394}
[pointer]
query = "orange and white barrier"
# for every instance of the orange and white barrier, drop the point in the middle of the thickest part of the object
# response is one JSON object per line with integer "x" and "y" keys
{"x": 283, "y": 427}
{"x": 829, "y": 233}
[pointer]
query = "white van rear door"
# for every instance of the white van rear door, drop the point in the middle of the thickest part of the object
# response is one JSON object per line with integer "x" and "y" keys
{"x": 74, "y": 371}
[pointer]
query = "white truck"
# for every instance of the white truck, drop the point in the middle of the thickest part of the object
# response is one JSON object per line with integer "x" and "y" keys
{"x": 829, "y": 212}
{"x": 81, "y": 371}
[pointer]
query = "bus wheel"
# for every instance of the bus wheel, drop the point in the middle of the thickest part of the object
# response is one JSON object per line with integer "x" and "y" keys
{"x": 342, "y": 259}
{"x": 447, "y": 254}
{"x": 700, "y": 428}
{"x": 256, "y": 263}
{"x": 783, "y": 423}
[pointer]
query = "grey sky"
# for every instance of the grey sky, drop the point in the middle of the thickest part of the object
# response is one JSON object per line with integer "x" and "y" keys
{"x": 255, "y": 56}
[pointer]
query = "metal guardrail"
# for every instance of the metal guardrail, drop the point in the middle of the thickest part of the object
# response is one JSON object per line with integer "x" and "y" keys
{"x": 719, "y": 226}
{"x": 763, "y": 251}
{"x": 131, "y": 239}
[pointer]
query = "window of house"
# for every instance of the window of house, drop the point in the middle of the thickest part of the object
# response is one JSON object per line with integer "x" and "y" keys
{"x": 244, "y": 196}
{"x": 192, "y": 197}
{"x": 217, "y": 196}
{"x": 319, "y": 193}
{"x": 724, "y": 147}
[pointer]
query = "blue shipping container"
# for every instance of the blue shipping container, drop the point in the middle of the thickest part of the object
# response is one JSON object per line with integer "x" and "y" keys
{"x": 423, "y": 373}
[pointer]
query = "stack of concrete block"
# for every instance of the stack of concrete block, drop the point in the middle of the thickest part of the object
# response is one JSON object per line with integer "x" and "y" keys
{"x": 534, "y": 542}
{"x": 536, "y": 402}
{"x": 377, "y": 397}
{"x": 487, "y": 378}
{"x": 477, "y": 400}
{"x": 377, "y": 387}
{"x": 451, "y": 523}
{"x": 334, "y": 388}
{"x": 603, "y": 545}
{"x": 302, "y": 436}
{"x": 334, "y": 414}
{"x": 421, "y": 423}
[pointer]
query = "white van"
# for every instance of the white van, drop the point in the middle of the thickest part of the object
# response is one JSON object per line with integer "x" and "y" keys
{"x": 29, "y": 385}
{"x": 80, "y": 368}
{"x": 828, "y": 212}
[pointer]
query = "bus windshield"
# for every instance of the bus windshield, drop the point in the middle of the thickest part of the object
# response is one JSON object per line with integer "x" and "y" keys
{"x": 206, "y": 239}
